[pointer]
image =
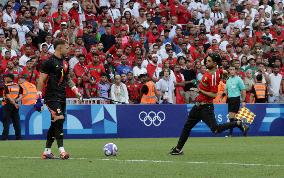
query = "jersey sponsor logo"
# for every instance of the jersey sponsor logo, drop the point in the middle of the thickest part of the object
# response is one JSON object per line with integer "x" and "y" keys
{"x": 152, "y": 118}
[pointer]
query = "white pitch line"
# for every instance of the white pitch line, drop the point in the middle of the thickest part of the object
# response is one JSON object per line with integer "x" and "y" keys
{"x": 156, "y": 161}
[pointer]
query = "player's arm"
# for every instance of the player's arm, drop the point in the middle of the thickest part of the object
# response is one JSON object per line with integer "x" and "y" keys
{"x": 207, "y": 93}
{"x": 41, "y": 81}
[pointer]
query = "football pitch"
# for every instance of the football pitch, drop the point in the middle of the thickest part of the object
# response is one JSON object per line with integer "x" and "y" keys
{"x": 203, "y": 157}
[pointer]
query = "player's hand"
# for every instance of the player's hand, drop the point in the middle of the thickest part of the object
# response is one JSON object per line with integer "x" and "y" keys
{"x": 39, "y": 105}
{"x": 77, "y": 93}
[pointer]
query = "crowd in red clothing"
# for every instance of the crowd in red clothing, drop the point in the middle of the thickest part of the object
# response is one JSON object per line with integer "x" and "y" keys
{"x": 113, "y": 37}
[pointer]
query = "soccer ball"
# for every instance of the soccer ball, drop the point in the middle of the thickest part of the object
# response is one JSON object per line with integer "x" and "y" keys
{"x": 110, "y": 149}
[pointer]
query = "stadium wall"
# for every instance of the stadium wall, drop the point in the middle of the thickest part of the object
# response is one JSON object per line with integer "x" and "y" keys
{"x": 141, "y": 121}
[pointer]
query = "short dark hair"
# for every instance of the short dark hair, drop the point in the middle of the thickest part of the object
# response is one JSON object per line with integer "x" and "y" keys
{"x": 215, "y": 57}
{"x": 81, "y": 55}
{"x": 58, "y": 42}
{"x": 259, "y": 77}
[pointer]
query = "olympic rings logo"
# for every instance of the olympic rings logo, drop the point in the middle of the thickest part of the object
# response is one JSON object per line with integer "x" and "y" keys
{"x": 152, "y": 118}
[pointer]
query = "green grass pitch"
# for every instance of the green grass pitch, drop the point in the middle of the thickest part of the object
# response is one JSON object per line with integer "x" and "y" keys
{"x": 204, "y": 157}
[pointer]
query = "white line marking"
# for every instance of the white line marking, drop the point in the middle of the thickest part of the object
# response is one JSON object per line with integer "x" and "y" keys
{"x": 155, "y": 161}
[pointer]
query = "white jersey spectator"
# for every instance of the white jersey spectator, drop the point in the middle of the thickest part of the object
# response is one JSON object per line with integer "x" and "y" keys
{"x": 50, "y": 47}
{"x": 118, "y": 91}
{"x": 23, "y": 60}
{"x": 166, "y": 87}
{"x": 274, "y": 86}
{"x": 22, "y": 31}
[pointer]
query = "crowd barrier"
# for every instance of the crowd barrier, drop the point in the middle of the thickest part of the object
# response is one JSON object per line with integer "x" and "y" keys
{"x": 141, "y": 121}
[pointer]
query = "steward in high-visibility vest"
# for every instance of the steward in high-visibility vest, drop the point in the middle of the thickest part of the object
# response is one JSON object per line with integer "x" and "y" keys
{"x": 259, "y": 91}
{"x": 148, "y": 92}
{"x": 29, "y": 92}
{"x": 11, "y": 96}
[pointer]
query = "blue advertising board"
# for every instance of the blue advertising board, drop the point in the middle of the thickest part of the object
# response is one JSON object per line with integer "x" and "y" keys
{"x": 141, "y": 121}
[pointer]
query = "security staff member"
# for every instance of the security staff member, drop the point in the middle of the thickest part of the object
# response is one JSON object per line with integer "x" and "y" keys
{"x": 148, "y": 91}
{"x": 11, "y": 96}
{"x": 29, "y": 92}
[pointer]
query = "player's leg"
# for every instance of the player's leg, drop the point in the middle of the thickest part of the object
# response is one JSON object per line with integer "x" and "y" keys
{"x": 192, "y": 120}
{"x": 47, "y": 154}
{"x": 6, "y": 119}
{"x": 208, "y": 117}
{"x": 16, "y": 123}
{"x": 59, "y": 135}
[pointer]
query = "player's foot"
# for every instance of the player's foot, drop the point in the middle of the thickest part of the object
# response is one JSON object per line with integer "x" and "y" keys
{"x": 47, "y": 156}
{"x": 64, "y": 155}
{"x": 175, "y": 151}
{"x": 246, "y": 129}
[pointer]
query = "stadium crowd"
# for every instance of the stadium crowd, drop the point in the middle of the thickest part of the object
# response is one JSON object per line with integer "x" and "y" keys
{"x": 117, "y": 46}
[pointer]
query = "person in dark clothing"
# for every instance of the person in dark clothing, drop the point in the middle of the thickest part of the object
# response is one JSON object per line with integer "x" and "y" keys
{"x": 56, "y": 70}
{"x": 108, "y": 39}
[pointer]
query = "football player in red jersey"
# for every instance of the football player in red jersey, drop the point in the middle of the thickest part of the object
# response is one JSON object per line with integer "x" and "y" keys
{"x": 204, "y": 108}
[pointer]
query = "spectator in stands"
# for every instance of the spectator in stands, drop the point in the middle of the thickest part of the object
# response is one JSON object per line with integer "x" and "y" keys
{"x": 8, "y": 47}
{"x": 9, "y": 16}
{"x": 133, "y": 87}
{"x": 15, "y": 43}
{"x": 179, "y": 85}
{"x": 103, "y": 86}
{"x": 26, "y": 56}
{"x": 123, "y": 68}
{"x": 48, "y": 42}
{"x": 138, "y": 69}
{"x": 29, "y": 72}
{"x": 96, "y": 68}
{"x": 119, "y": 93}
{"x": 12, "y": 70}
{"x": 29, "y": 42}
{"x": 153, "y": 68}
{"x": 107, "y": 39}
{"x": 166, "y": 87}
{"x": 22, "y": 30}
{"x": 75, "y": 59}
{"x": 249, "y": 82}
{"x": 109, "y": 67}
{"x": 274, "y": 86}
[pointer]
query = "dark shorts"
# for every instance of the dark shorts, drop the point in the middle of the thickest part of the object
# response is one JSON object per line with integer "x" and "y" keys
{"x": 56, "y": 108}
{"x": 234, "y": 104}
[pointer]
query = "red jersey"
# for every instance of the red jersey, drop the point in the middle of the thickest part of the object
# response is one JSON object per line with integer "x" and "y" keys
{"x": 15, "y": 73}
{"x": 57, "y": 22}
{"x": 30, "y": 76}
{"x": 96, "y": 71}
{"x": 80, "y": 70}
{"x": 74, "y": 14}
{"x": 209, "y": 83}
{"x": 134, "y": 90}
